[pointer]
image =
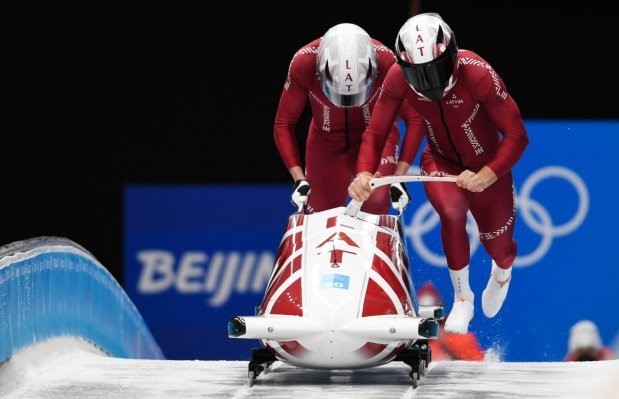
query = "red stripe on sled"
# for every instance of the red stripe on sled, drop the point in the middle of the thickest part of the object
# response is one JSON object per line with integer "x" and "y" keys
{"x": 332, "y": 221}
{"x": 290, "y": 301}
{"x": 294, "y": 221}
{"x": 284, "y": 251}
{"x": 370, "y": 349}
{"x": 287, "y": 247}
{"x": 294, "y": 348}
{"x": 376, "y": 301}
{"x": 291, "y": 242}
{"x": 395, "y": 352}
{"x": 387, "y": 221}
{"x": 384, "y": 243}
{"x": 284, "y": 268}
{"x": 282, "y": 279}
{"x": 391, "y": 279}
{"x": 298, "y": 241}
{"x": 276, "y": 283}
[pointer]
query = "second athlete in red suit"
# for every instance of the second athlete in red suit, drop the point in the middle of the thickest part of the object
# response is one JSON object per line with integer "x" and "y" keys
{"x": 474, "y": 131}
{"x": 341, "y": 75}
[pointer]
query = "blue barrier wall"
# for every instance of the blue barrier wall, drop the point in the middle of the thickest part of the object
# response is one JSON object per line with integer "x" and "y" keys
{"x": 50, "y": 287}
{"x": 197, "y": 255}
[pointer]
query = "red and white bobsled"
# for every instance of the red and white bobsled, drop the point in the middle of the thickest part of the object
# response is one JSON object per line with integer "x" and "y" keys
{"x": 340, "y": 296}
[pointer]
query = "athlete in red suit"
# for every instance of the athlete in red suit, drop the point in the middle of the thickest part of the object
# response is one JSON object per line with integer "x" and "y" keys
{"x": 474, "y": 131}
{"x": 341, "y": 75}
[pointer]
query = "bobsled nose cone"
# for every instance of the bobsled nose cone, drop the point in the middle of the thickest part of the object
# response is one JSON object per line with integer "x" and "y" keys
{"x": 332, "y": 348}
{"x": 236, "y": 327}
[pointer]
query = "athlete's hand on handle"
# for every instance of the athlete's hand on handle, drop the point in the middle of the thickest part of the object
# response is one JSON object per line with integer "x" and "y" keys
{"x": 301, "y": 191}
{"x": 476, "y": 182}
{"x": 400, "y": 198}
{"x": 359, "y": 189}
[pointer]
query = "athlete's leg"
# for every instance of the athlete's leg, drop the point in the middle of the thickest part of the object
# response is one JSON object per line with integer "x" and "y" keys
{"x": 380, "y": 200}
{"x": 328, "y": 172}
{"x": 451, "y": 203}
{"x": 494, "y": 210}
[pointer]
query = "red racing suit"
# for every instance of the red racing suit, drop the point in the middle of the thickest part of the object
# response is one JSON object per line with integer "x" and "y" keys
{"x": 334, "y": 136}
{"x": 476, "y": 124}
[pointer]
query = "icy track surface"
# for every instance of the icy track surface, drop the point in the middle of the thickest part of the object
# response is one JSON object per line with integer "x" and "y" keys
{"x": 68, "y": 368}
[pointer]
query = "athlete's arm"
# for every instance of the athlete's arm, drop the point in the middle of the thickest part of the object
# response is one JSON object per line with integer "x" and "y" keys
{"x": 413, "y": 136}
{"x": 504, "y": 112}
{"x": 382, "y": 120}
{"x": 375, "y": 136}
{"x": 292, "y": 102}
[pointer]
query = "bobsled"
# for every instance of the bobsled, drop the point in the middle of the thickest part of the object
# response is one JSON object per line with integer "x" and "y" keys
{"x": 341, "y": 296}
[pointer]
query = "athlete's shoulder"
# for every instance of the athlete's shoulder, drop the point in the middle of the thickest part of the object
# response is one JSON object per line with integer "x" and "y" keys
{"x": 394, "y": 74}
{"x": 480, "y": 78}
{"x": 473, "y": 63}
{"x": 307, "y": 51}
{"x": 394, "y": 84}
{"x": 384, "y": 55}
{"x": 381, "y": 48}
{"x": 303, "y": 61}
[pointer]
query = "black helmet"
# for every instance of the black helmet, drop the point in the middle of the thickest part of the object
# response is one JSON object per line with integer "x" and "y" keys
{"x": 427, "y": 52}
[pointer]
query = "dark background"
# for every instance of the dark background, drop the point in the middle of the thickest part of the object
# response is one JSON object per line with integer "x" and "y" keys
{"x": 97, "y": 95}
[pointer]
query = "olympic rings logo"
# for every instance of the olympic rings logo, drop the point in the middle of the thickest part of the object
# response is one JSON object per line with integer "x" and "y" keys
{"x": 535, "y": 216}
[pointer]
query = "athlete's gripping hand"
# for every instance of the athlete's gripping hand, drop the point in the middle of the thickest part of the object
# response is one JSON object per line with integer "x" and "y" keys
{"x": 400, "y": 198}
{"x": 359, "y": 189}
{"x": 476, "y": 182}
{"x": 301, "y": 191}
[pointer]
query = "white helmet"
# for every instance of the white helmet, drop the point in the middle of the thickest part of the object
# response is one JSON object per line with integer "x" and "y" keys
{"x": 584, "y": 334}
{"x": 427, "y": 52}
{"x": 346, "y": 64}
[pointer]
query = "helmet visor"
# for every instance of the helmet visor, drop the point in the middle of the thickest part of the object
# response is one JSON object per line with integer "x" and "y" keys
{"x": 346, "y": 100}
{"x": 430, "y": 78}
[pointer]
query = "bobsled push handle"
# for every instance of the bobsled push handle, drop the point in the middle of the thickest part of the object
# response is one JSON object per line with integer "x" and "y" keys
{"x": 382, "y": 181}
{"x": 353, "y": 208}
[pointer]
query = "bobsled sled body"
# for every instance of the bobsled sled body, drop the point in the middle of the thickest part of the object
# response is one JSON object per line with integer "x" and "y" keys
{"x": 340, "y": 295}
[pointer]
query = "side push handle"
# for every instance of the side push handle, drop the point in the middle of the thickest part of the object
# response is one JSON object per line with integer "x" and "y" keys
{"x": 382, "y": 181}
{"x": 354, "y": 206}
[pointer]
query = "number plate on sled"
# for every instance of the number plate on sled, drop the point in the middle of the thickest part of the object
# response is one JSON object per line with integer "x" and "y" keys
{"x": 335, "y": 281}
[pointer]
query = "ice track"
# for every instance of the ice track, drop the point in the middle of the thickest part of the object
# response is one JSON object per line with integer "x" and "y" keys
{"x": 82, "y": 372}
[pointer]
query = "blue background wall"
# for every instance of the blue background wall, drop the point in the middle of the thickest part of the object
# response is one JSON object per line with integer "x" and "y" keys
{"x": 196, "y": 255}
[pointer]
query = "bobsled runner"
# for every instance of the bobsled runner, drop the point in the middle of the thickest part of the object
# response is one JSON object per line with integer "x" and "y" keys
{"x": 341, "y": 296}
